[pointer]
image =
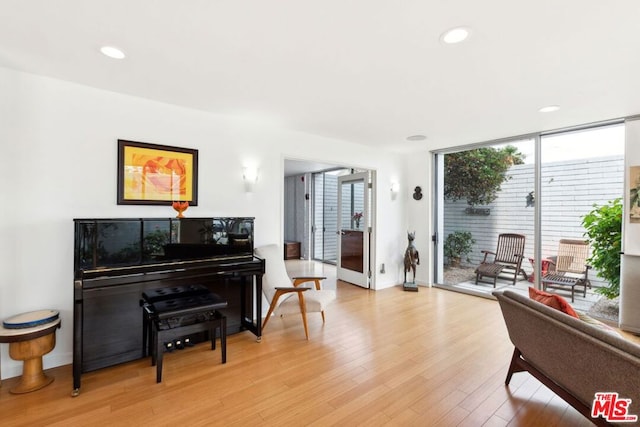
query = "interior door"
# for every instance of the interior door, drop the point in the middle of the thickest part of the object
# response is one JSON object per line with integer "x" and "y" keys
{"x": 354, "y": 229}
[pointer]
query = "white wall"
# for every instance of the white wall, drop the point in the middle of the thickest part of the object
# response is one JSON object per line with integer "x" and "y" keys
{"x": 58, "y": 145}
{"x": 418, "y": 167}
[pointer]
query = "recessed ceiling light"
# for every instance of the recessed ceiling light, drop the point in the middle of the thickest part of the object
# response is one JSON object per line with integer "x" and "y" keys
{"x": 112, "y": 52}
{"x": 455, "y": 35}
{"x": 416, "y": 138}
{"x": 549, "y": 109}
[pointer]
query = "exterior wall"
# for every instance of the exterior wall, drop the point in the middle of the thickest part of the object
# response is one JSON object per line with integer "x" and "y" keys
{"x": 569, "y": 191}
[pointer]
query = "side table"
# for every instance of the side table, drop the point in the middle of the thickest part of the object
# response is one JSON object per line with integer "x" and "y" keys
{"x": 291, "y": 250}
{"x": 30, "y": 344}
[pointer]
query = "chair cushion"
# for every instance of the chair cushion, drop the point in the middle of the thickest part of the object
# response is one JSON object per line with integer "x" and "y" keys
{"x": 275, "y": 270}
{"x": 315, "y": 301}
{"x": 553, "y": 301}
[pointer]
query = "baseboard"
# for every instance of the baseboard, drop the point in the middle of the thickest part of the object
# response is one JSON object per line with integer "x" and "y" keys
{"x": 13, "y": 368}
{"x": 629, "y": 328}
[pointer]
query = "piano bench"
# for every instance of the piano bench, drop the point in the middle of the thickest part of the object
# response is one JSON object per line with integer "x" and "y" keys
{"x": 170, "y": 319}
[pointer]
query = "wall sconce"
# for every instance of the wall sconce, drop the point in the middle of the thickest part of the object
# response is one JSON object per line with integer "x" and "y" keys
{"x": 395, "y": 188}
{"x": 250, "y": 176}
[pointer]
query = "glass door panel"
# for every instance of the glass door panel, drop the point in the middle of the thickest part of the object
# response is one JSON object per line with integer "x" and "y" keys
{"x": 482, "y": 193}
{"x": 579, "y": 169}
{"x": 353, "y": 223}
{"x": 325, "y": 216}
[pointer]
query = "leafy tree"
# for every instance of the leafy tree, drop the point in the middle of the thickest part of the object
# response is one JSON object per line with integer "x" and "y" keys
{"x": 604, "y": 230}
{"x": 477, "y": 175}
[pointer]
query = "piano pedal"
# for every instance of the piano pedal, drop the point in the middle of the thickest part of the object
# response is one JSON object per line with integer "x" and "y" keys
{"x": 188, "y": 343}
{"x": 169, "y": 346}
{"x": 179, "y": 344}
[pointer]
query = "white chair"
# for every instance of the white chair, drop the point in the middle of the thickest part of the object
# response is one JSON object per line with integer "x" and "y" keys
{"x": 276, "y": 283}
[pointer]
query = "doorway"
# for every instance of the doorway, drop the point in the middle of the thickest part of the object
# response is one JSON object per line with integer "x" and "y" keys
{"x": 313, "y": 216}
{"x": 354, "y": 229}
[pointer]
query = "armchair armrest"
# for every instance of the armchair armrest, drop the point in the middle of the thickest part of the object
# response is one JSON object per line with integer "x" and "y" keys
{"x": 486, "y": 252}
{"x": 284, "y": 290}
{"x": 303, "y": 279}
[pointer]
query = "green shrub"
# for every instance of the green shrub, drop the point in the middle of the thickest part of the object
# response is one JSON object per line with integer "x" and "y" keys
{"x": 458, "y": 244}
{"x": 604, "y": 230}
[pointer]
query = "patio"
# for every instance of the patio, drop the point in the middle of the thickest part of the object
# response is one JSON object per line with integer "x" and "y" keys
{"x": 462, "y": 279}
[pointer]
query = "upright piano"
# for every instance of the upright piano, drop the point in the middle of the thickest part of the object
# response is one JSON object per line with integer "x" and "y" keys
{"x": 116, "y": 260}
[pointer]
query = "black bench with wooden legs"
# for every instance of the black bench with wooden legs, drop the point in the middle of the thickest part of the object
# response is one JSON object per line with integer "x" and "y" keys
{"x": 171, "y": 314}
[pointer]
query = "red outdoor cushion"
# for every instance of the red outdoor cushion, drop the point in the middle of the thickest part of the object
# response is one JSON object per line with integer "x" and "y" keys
{"x": 552, "y": 300}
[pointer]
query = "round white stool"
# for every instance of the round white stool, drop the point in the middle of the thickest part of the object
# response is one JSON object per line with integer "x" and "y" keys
{"x": 29, "y": 344}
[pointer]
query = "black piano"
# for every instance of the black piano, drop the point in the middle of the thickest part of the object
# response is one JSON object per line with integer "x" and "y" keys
{"x": 116, "y": 260}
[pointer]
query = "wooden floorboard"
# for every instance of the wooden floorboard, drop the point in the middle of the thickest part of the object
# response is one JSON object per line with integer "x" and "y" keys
{"x": 384, "y": 358}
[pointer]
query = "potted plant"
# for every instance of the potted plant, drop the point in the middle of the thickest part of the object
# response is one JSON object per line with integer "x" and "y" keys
{"x": 357, "y": 217}
{"x": 457, "y": 245}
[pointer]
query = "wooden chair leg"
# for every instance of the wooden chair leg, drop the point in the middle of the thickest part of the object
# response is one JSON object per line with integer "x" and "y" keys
{"x": 513, "y": 366}
{"x": 322, "y": 312}
{"x": 266, "y": 319}
{"x": 272, "y": 307}
{"x": 303, "y": 312}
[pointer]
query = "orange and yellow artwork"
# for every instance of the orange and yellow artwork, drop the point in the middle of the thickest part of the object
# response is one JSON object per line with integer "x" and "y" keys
{"x": 154, "y": 174}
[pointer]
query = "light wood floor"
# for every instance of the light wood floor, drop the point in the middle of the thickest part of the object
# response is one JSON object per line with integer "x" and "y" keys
{"x": 385, "y": 357}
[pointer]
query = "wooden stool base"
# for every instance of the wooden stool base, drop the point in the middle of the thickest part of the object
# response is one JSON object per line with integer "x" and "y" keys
{"x": 32, "y": 385}
{"x": 31, "y": 352}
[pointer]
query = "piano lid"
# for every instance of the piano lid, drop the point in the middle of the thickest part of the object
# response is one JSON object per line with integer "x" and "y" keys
{"x": 127, "y": 242}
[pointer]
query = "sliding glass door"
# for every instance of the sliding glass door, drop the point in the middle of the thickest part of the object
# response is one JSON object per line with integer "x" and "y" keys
{"x": 483, "y": 194}
{"x": 498, "y": 189}
{"x": 579, "y": 170}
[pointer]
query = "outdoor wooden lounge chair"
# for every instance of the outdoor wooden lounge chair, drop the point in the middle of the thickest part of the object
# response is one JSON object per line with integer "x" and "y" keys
{"x": 507, "y": 259}
{"x": 569, "y": 269}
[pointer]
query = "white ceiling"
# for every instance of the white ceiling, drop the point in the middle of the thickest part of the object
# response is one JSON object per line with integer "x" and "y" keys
{"x": 367, "y": 71}
{"x": 299, "y": 167}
